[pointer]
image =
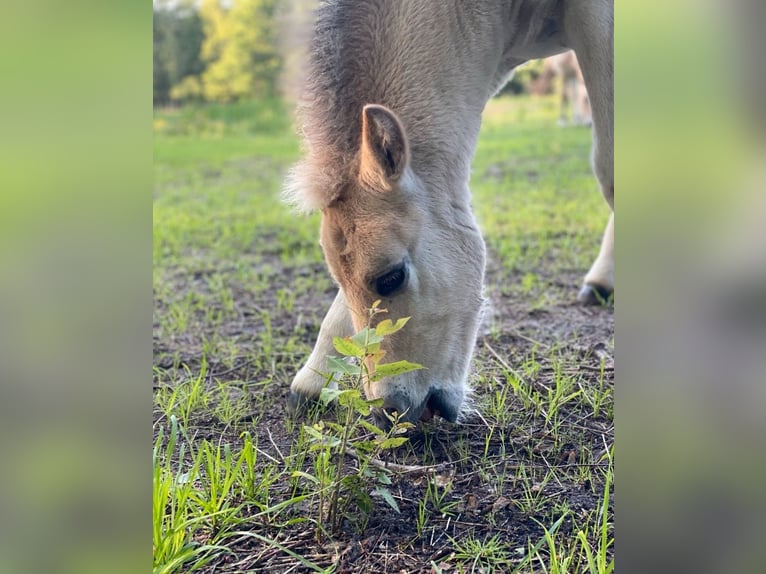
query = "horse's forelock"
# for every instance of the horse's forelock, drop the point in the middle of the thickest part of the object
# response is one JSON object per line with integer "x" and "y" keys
{"x": 307, "y": 188}
{"x": 300, "y": 189}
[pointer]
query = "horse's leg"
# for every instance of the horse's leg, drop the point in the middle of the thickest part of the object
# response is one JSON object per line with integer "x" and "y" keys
{"x": 584, "y": 104}
{"x": 599, "y": 282}
{"x": 308, "y": 383}
{"x": 564, "y": 101}
{"x": 575, "y": 96}
{"x": 589, "y": 26}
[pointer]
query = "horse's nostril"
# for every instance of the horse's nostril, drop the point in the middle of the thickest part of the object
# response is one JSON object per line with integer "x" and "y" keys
{"x": 437, "y": 405}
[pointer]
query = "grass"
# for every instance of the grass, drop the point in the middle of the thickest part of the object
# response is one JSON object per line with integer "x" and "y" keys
{"x": 524, "y": 485}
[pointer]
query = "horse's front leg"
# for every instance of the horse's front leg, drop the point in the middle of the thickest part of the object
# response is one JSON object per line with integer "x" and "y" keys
{"x": 599, "y": 282}
{"x": 589, "y": 25}
{"x": 309, "y": 381}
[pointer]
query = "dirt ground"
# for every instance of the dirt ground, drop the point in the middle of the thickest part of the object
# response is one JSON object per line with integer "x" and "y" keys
{"x": 516, "y": 329}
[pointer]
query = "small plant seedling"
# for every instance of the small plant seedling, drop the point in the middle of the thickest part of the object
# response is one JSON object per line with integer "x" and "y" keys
{"x": 341, "y": 488}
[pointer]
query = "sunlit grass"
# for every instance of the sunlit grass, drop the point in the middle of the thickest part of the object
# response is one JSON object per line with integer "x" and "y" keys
{"x": 238, "y": 285}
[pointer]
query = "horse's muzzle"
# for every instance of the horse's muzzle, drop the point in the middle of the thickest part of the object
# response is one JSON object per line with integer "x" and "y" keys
{"x": 435, "y": 404}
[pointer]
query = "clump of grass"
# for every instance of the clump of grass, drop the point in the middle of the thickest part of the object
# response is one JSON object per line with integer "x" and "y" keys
{"x": 176, "y": 518}
{"x": 186, "y": 397}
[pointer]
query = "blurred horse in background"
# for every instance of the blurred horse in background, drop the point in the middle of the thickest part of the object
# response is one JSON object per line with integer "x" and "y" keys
{"x": 563, "y": 70}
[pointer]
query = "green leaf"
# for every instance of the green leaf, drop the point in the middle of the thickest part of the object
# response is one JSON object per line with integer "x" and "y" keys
{"x": 328, "y": 395}
{"x": 366, "y": 336}
{"x": 383, "y": 492}
{"x": 371, "y": 427}
{"x": 372, "y": 349}
{"x": 307, "y": 476}
{"x": 364, "y": 502}
{"x": 348, "y": 397}
{"x": 347, "y": 347}
{"x": 377, "y": 356}
{"x": 336, "y": 365}
{"x": 362, "y": 407}
{"x": 366, "y": 447}
{"x": 382, "y": 477}
{"x": 339, "y": 428}
{"x": 393, "y": 442}
{"x": 313, "y": 433}
{"x": 350, "y": 481}
{"x": 386, "y": 327}
{"x": 321, "y": 440}
{"x": 396, "y": 368}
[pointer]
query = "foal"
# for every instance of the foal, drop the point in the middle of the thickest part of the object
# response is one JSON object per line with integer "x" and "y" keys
{"x": 390, "y": 118}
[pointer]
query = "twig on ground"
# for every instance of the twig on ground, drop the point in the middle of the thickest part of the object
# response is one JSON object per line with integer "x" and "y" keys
{"x": 400, "y": 468}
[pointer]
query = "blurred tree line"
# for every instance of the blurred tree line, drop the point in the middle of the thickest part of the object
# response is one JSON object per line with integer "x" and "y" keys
{"x": 230, "y": 50}
{"x": 215, "y": 50}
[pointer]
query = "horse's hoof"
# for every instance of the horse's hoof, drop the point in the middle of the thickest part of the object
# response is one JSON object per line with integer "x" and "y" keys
{"x": 299, "y": 404}
{"x": 595, "y": 295}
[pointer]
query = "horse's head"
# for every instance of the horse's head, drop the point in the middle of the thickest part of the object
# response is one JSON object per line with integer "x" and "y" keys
{"x": 392, "y": 234}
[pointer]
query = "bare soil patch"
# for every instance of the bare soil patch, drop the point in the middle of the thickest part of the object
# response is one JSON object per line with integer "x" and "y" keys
{"x": 469, "y": 460}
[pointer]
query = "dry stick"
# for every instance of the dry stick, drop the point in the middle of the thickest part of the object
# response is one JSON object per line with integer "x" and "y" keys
{"x": 604, "y": 356}
{"x": 476, "y": 412}
{"x": 245, "y": 364}
{"x": 503, "y": 362}
{"x": 505, "y": 365}
{"x": 422, "y": 470}
{"x": 271, "y": 439}
{"x": 590, "y": 368}
{"x": 271, "y": 458}
{"x": 605, "y": 451}
{"x": 234, "y": 368}
{"x": 400, "y": 468}
{"x": 608, "y": 360}
{"x": 516, "y": 333}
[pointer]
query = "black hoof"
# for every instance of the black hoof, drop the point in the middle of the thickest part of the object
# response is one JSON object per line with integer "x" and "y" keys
{"x": 299, "y": 405}
{"x": 595, "y": 295}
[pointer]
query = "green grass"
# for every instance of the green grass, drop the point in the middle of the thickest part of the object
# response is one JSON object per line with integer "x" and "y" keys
{"x": 240, "y": 289}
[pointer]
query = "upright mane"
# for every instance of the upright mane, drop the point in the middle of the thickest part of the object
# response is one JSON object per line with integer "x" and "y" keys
{"x": 360, "y": 53}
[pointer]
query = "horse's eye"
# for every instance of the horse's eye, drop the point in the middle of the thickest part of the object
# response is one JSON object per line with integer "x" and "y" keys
{"x": 391, "y": 282}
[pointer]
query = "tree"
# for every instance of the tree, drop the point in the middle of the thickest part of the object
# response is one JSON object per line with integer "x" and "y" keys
{"x": 178, "y": 38}
{"x": 161, "y": 86}
{"x": 239, "y": 50}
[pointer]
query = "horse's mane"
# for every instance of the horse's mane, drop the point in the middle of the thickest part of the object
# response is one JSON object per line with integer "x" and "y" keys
{"x": 352, "y": 61}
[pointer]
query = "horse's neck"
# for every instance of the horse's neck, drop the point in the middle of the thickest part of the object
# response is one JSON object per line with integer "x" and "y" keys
{"x": 448, "y": 84}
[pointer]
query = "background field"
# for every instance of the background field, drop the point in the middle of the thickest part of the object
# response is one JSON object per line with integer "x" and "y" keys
{"x": 240, "y": 289}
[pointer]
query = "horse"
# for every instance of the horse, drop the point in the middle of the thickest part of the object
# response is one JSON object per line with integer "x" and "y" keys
{"x": 571, "y": 91}
{"x": 390, "y": 116}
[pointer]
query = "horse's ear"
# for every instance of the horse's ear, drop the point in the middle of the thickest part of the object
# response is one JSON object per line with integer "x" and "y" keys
{"x": 385, "y": 152}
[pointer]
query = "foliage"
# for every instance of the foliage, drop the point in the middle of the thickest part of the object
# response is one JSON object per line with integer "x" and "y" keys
{"x": 239, "y": 50}
{"x": 187, "y": 90}
{"x": 218, "y": 52}
{"x": 178, "y": 37}
{"x": 340, "y": 491}
{"x": 524, "y": 78}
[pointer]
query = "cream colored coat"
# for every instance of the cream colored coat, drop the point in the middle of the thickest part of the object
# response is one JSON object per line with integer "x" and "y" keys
{"x": 390, "y": 117}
